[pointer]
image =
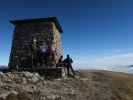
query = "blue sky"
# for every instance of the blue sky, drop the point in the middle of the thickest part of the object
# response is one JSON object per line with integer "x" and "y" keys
{"x": 97, "y": 33}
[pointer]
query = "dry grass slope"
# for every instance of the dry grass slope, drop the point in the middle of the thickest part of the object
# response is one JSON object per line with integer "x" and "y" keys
{"x": 111, "y": 85}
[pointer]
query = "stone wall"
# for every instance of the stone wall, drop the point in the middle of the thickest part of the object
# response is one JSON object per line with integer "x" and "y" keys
{"x": 22, "y": 44}
{"x": 57, "y": 42}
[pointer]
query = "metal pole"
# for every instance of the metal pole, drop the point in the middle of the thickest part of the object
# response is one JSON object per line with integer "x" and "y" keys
{"x": 34, "y": 54}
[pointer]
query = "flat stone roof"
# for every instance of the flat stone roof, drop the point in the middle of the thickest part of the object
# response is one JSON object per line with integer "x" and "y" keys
{"x": 49, "y": 19}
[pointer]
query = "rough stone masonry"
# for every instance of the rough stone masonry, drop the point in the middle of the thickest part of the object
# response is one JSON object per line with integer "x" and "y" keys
{"x": 29, "y": 34}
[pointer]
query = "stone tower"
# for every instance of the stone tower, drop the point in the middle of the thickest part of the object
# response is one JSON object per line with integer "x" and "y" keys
{"x": 31, "y": 34}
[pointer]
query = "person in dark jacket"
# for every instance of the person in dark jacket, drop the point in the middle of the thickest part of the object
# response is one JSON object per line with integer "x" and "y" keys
{"x": 60, "y": 62}
{"x": 68, "y": 64}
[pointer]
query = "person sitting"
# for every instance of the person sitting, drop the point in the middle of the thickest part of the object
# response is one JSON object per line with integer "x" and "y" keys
{"x": 60, "y": 62}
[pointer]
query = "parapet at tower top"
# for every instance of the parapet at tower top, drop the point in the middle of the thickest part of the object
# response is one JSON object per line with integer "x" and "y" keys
{"x": 48, "y": 19}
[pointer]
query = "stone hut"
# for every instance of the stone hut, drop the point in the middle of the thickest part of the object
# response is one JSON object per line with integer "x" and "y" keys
{"x": 31, "y": 35}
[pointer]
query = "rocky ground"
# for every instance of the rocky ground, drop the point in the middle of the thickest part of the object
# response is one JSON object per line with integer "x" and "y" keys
{"x": 87, "y": 85}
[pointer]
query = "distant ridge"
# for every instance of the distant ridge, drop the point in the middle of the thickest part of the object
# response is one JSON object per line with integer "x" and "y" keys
{"x": 4, "y": 68}
{"x": 130, "y": 66}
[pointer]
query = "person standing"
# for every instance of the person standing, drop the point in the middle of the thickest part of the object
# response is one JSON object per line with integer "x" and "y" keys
{"x": 68, "y": 64}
